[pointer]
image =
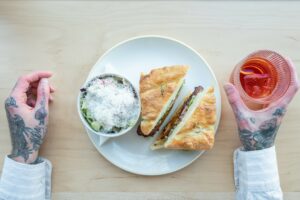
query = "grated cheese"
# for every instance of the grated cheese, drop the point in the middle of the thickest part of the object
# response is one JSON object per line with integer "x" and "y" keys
{"x": 112, "y": 103}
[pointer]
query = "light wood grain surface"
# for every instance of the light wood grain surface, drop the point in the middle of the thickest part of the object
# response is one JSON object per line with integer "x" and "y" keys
{"x": 68, "y": 37}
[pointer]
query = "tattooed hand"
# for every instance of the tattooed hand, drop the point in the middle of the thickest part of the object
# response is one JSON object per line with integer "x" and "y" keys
{"x": 27, "y": 114}
{"x": 257, "y": 129}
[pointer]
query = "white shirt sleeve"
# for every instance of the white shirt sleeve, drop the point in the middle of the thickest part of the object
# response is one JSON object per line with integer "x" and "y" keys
{"x": 256, "y": 175}
{"x": 24, "y": 181}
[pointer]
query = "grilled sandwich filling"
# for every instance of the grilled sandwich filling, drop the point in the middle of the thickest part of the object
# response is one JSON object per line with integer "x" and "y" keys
{"x": 185, "y": 118}
{"x": 165, "y": 111}
{"x": 180, "y": 115}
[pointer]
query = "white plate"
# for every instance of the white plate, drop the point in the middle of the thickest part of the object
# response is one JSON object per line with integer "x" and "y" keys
{"x": 131, "y": 152}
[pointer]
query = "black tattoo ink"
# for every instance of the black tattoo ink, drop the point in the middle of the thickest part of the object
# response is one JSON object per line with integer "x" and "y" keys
{"x": 262, "y": 138}
{"x": 36, "y": 137}
{"x": 245, "y": 136}
{"x": 41, "y": 113}
{"x": 10, "y": 101}
{"x": 19, "y": 137}
{"x": 279, "y": 112}
{"x": 37, "y": 161}
{"x": 252, "y": 120}
{"x": 24, "y": 139}
{"x": 239, "y": 115}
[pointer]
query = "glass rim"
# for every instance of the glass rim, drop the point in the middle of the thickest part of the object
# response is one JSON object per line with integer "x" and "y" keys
{"x": 277, "y": 92}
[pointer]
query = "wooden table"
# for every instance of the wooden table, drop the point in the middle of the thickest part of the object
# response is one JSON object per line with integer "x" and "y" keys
{"x": 68, "y": 37}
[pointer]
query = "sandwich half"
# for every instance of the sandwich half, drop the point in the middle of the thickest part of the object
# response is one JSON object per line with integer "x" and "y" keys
{"x": 158, "y": 92}
{"x": 192, "y": 125}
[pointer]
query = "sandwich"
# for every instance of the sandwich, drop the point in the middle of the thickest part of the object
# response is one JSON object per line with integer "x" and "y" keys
{"x": 192, "y": 125}
{"x": 158, "y": 91}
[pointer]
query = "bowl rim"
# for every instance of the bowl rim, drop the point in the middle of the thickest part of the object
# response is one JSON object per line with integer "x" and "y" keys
{"x": 85, "y": 123}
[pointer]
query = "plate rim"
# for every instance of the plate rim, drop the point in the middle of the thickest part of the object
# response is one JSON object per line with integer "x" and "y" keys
{"x": 183, "y": 44}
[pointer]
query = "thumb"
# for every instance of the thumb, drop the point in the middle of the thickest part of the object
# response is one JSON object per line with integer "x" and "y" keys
{"x": 43, "y": 93}
{"x": 233, "y": 97}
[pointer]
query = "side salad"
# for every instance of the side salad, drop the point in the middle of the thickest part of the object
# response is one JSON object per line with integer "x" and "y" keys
{"x": 109, "y": 104}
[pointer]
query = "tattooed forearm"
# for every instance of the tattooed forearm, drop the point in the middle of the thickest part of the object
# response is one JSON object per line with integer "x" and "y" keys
{"x": 260, "y": 139}
{"x": 265, "y": 134}
{"x": 19, "y": 136}
{"x": 36, "y": 138}
{"x": 25, "y": 139}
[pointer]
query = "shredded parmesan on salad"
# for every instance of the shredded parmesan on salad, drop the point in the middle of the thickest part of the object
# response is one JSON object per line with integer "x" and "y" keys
{"x": 111, "y": 103}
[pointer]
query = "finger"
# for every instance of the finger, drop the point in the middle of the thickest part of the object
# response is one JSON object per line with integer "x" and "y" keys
{"x": 234, "y": 97}
{"x": 35, "y": 76}
{"x": 51, "y": 99}
{"x": 23, "y": 83}
{"x": 34, "y": 91}
{"x": 43, "y": 94}
{"x": 52, "y": 89}
{"x": 35, "y": 85}
{"x": 32, "y": 95}
{"x": 293, "y": 88}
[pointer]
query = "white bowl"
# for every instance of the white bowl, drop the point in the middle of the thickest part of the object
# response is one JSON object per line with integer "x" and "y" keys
{"x": 85, "y": 123}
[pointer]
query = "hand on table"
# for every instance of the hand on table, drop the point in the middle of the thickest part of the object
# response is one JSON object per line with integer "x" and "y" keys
{"x": 257, "y": 129}
{"x": 27, "y": 114}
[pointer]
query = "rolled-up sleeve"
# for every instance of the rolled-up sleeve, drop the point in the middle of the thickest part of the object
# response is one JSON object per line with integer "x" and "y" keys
{"x": 256, "y": 175}
{"x": 24, "y": 181}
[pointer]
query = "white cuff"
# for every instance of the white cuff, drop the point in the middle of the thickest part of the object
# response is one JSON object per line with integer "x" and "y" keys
{"x": 256, "y": 173}
{"x": 24, "y": 181}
